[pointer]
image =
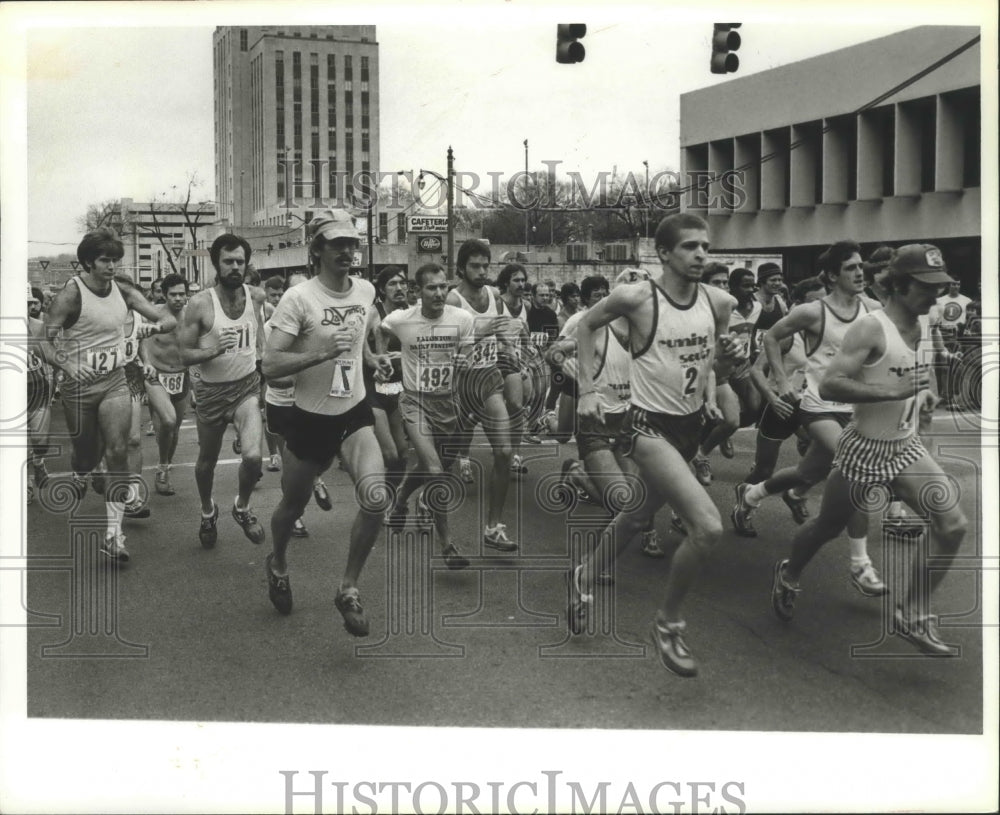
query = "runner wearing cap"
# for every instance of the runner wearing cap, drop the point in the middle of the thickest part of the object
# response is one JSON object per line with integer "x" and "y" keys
{"x": 481, "y": 397}
{"x": 88, "y": 317}
{"x": 824, "y": 323}
{"x": 884, "y": 368}
{"x": 435, "y": 342}
{"x": 512, "y": 283}
{"x": 319, "y": 336}
{"x": 220, "y": 334}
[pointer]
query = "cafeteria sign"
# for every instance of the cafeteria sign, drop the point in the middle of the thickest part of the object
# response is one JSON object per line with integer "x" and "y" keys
{"x": 427, "y": 223}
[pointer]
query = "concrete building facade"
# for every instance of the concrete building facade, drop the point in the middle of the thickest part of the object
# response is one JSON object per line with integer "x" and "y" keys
{"x": 863, "y": 143}
{"x": 296, "y": 119}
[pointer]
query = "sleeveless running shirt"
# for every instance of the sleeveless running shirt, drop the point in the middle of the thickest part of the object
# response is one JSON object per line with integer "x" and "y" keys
{"x": 132, "y": 336}
{"x": 896, "y": 419}
{"x": 832, "y": 332}
{"x": 484, "y": 352}
{"x": 612, "y": 377}
{"x": 239, "y": 361}
{"x": 312, "y": 314}
{"x": 99, "y": 331}
{"x": 668, "y": 375}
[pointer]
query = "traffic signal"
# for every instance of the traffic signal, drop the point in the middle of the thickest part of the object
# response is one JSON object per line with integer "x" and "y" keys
{"x": 724, "y": 41}
{"x": 568, "y": 45}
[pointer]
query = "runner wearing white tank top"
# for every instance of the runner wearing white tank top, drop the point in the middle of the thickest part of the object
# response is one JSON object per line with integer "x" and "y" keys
{"x": 884, "y": 368}
{"x": 677, "y": 334}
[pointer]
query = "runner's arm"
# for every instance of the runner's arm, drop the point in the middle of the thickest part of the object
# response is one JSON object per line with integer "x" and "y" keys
{"x": 801, "y": 318}
{"x": 192, "y": 327}
{"x": 157, "y": 321}
{"x": 279, "y": 361}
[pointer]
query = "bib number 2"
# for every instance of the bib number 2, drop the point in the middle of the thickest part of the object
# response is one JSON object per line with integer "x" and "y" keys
{"x": 690, "y": 381}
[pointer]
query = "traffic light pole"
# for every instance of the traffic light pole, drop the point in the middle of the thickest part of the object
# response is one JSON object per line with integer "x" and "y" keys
{"x": 451, "y": 214}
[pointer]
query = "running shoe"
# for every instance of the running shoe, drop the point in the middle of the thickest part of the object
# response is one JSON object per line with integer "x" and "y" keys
{"x": 274, "y": 464}
{"x": 322, "y": 496}
{"x": 548, "y": 422}
{"x": 348, "y": 603}
{"x": 674, "y": 653}
{"x": 424, "y": 515}
{"x": 531, "y": 438}
{"x": 279, "y": 588}
{"x": 782, "y": 593}
{"x": 453, "y": 558}
{"x": 237, "y": 448}
{"x": 79, "y": 485}
{"x": 396, "y": 515}
{"x": 797, "y": 504}
{"x": 114, "y": 548}
{"x": 150, "y": 430}
{"x": 651, "y": 545}
{"x": 866, "y": 580}
{"x": 579, "y": 604}
{"x": 136, "y": 510}
{"x": 496, "y": 538}
{"x": 98, "y": 478}
{"x": 702, "y": 470}
{"x": 742, "y": 513}
{"x": 465, "y": 470}
{"x": 299, "y": 529}
{"x": 517, "y": 466}
{"x": 208, "y": 533}
{"x": 726, "y": 448}
{"x": 922, "y": 633}
{"x": 162, "y": 483}
{"x": 249, "y": 524}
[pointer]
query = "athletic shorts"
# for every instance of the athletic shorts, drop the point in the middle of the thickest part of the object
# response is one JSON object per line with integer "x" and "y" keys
{"x": 177, "y": 384}
{"x": 807, "y": 417}
{"x": 317, "y": 437}
{"x": 508, "y": 363}
{"x": 39, "y": 392}
{"x": 593, "y": 435}
{"x": 277, "y": 418}
{"x": 81, "y": 400}
{"x": 772, "y": 427}
{"x": 682, "y": 432}
{"x": 475, "y": 386}
{"x": 217, "y": 402}
{"x": 136, "y": 378}
{"x": 875, "y": 461}
{"x": 434, "y": 416}
{"x": 386, "y": 402}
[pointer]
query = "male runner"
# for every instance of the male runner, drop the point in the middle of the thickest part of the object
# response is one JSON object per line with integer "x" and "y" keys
{"x": 883, "y": 367}
{"x": 512, "y": 282}
{"x": 84, "y": 337}
{"x": 167, "y": 382}
{"x": 41, "y": 389}
{"x": 824, "y": 323}
{"x": 481, "y": 399}
{"x": 677, "y": 334}
{"x": 318, "y": 335}
{"x": 221, "y": 332}
{"x": 434, "y": 339}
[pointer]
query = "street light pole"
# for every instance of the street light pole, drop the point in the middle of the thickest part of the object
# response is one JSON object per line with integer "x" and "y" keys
{"x": 371, "y": 242}
{"x": 646, "y": 209}
{"x": 451, "y": 213}
{"x": 526, "y": 194}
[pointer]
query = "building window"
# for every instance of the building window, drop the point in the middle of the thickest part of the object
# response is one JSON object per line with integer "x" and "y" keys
{"x": 383, "y": 226}
{"x": 348, "y": 67}
{"x": 364, "y": 69}
{"x": 243, "y": 39}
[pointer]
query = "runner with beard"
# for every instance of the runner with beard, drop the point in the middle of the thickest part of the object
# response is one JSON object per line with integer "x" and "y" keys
{"x": 481, "y": 398}
{"x": 221, "y": 334}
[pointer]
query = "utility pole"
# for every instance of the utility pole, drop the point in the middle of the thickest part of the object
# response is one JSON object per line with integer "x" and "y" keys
{"x": 646, "y": 208}
{"x": 371, "y": 242}
{"x": 526, "y": 193}
{"x": 451, "y": 213}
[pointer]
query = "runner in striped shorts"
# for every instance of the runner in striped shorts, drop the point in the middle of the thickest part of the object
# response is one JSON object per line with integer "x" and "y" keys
{"x": 885, "y": 369}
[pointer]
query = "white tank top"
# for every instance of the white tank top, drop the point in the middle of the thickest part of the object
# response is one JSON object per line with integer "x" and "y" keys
{"x": 99, "y": 332}
{"x": 134, "y": 320}
{"x": 312, "y": 313}
{"x": 832, "y": 332}
{"x": 794, "y": 364}
{"x": 896, "y": 419}
{"x": 240, "y": 360}
{"x": 484, "y": 352}
{"x": 668, "y": 375}
{"x": 612, "y": 375}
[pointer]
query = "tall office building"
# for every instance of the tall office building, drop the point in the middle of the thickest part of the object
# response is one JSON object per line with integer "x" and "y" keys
{"x": 294, "y": 106}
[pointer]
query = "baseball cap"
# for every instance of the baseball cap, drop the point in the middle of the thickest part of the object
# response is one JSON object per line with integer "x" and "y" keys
{"x": 767, "y": 270}
{"x": 631, "y": 276}
{"x": 922, "y": 261}
{"x": 333, "y": 224}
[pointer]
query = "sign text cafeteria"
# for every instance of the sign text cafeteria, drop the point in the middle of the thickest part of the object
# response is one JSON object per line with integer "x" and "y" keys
{"x": 426, "y": 223}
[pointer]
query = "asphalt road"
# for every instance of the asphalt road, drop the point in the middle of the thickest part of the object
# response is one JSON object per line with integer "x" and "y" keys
{"x": 184, "y": 633}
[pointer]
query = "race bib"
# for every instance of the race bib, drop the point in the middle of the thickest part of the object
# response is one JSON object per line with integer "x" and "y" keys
{"x": 342, "y": 385}
{"x": 131, "y": 349}
{"x": 105, "y": 360}
{"x": 484, "y": 353}
{"x": 435, "y": 377}
{"x": 242, "y": 333}
{"x": 539, "y": 339}
{"x": 172, "y": 383}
